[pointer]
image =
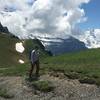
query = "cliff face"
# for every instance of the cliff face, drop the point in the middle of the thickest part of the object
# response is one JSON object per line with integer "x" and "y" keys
{"x": 3, "y": 29}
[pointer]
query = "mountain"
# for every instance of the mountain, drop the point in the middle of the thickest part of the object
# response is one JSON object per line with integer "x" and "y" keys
{"x": 91, "y": 38}
{"x": 64, "y": 45}
{"x": 3, "y": 29}
{"x": 55, "y": 45}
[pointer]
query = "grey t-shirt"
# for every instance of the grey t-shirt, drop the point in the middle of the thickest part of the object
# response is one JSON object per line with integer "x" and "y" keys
{"x": 34, "y": 56}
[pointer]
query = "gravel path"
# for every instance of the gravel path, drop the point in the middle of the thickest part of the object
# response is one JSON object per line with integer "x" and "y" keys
{"x": 65, "y": 89}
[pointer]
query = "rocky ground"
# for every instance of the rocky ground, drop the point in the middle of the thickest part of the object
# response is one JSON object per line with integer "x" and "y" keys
{"x": 65, "y": 89}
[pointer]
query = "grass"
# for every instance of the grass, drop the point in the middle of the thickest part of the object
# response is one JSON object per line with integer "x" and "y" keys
{"x": 6, "y": 45}
{"x": 77, "y": 65}
{"x": 19, "y": 70}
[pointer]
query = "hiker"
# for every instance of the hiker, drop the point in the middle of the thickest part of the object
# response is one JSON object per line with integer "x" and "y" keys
{"x": 34, "y": 57}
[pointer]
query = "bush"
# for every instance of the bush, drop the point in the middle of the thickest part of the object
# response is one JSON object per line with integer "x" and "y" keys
{"x": 4, "y": 93}
{"x": 43, "y": 86}
{"x": 72, "y": 75}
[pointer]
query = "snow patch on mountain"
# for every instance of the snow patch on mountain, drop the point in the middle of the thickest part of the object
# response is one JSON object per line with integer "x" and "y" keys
{"x": 19, "y": 47}
{"x": 21, "y": 61}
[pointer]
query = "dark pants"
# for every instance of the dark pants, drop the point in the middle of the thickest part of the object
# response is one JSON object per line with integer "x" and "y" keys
{"x": 36, "y": 63}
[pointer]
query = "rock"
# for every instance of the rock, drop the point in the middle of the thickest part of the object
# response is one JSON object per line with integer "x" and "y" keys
{"x": 3, "y": 29}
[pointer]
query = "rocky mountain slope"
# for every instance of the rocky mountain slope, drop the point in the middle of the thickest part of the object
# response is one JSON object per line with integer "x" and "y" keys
{"x": 3, "y": 29}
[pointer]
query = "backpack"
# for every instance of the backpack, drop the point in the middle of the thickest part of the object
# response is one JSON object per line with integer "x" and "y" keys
{"x": 30, "y": 54}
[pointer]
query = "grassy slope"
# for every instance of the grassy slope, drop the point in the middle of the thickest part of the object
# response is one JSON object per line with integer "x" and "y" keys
{"x": 8, "y": 53}
{"x": 9, "y": 57}
{"x": 77, "y": 61}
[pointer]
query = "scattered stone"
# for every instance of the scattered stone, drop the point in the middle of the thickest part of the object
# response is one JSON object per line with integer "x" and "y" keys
{"x": 64, "y": 89}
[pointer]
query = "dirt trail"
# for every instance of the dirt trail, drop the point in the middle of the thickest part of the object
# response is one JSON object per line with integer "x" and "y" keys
{"x": 65, "y": 89}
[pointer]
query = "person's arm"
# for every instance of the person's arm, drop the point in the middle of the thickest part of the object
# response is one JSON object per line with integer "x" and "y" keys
{"x": 31, "y": 56}
{"x": 38, "y": 52}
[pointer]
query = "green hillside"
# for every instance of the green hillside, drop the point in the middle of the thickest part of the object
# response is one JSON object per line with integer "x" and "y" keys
{"x": 75, "y": 61}
{"x": 9, "y": 55}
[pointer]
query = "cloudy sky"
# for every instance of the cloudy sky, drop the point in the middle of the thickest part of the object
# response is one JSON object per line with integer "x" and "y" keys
{"x": 53, "y": 19}
{"x": 93, "y": 14}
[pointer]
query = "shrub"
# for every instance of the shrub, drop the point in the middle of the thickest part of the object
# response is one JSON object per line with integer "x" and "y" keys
{"x": 87, "y": 80}
{"x": 4, "y": 93}
{"x": 44, "y": 86}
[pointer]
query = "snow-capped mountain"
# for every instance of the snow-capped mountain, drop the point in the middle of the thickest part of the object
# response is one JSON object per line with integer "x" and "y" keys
{"x": 59, "y": 46}
{"x": 86, "y": 40}
{"x": 91, "y": 38}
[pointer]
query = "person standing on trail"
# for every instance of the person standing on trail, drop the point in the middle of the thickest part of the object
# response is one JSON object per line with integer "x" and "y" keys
{"x": 34, "y": 57}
